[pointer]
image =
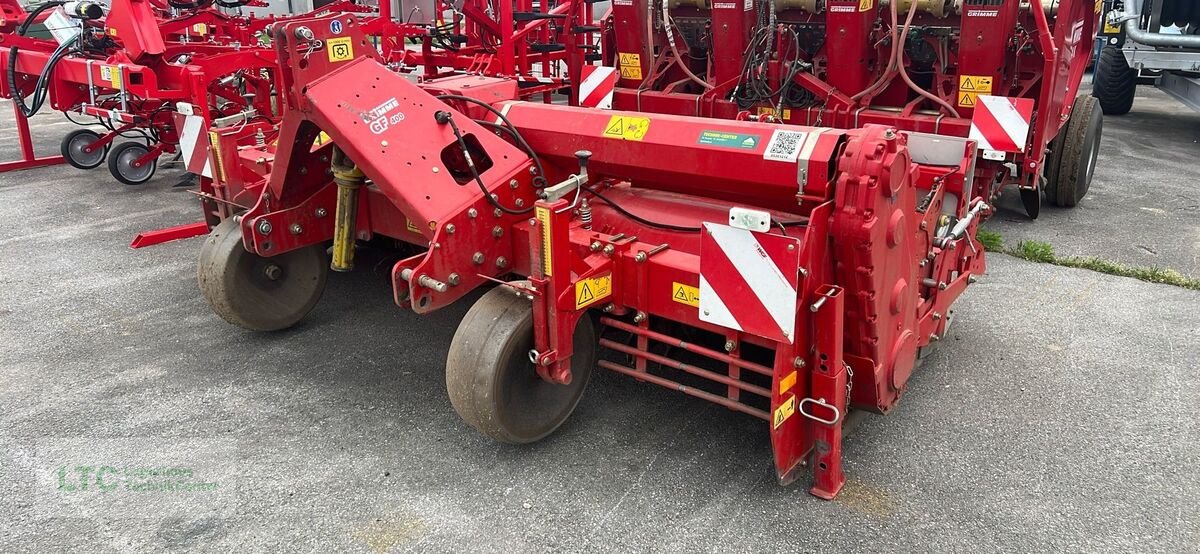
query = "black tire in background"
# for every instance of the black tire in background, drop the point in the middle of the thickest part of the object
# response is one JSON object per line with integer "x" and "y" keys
{"x": 1114, "y": 82}
{"x": 1080, "y": 149}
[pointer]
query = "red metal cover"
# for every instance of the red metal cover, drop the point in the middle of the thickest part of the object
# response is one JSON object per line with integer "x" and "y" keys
{"x": 748, "y": 281}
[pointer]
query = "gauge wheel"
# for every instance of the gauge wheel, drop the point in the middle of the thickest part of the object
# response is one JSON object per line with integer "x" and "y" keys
{"x": 257, "y": 293}
{"x": 73, "y": 149}
{"x": 121, "y": 162}
{"x": 491, "y": 381}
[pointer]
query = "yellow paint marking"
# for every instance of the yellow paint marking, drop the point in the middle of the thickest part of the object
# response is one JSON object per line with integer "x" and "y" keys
{"x": 543, "y": 217}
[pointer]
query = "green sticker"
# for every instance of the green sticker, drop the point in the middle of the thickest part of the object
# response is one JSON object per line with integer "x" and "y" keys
{"x": 729, "y": 140}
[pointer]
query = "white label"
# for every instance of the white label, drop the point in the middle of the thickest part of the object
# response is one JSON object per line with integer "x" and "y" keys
{"x": 185, "y": 108}
{"x": 61, "y": 26}
{"x": 843, "y": 9}
{"x": 785, "y": 146}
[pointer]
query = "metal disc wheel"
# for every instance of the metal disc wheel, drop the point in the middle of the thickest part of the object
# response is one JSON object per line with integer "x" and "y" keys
{"x": 257, "y": 293}
{"x": 1031, "y": 199}
{"x": 491, "y": 381}
{"x": 122, "y": 158}
{"x": 73, "y": 145}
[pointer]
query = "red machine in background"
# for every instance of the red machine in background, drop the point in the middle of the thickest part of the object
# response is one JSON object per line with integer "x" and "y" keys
{"x": 1003, "y": 72}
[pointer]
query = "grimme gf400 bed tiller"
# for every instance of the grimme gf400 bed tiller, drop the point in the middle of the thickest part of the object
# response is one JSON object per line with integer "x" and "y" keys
{"x": 788, "y": 272}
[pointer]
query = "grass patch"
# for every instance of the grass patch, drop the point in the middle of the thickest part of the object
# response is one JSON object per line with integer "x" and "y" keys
{"x": 991, "y": 240}
{"x": 1042, "y": 252}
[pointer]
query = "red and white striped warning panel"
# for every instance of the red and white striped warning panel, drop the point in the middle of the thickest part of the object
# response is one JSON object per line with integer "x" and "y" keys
{"x": 193, "y": 141}
{"x": 596, "y": 86}
{"x": 1001, "y": 123}
{"x": 748, "y": 281}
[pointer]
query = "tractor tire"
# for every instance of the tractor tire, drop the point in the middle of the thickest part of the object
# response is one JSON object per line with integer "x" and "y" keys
{"x": 1114, "y": 82}
{"x": 491, "y": 381}
{"x": 1080, "y": 148}
{"x": 122, "y": 158}
{"x": 257, "y": 293}
{"x": 72, "y": 149}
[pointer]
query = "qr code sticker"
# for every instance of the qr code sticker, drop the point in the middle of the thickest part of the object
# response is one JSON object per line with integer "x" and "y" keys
{"x": 785, "y": 146}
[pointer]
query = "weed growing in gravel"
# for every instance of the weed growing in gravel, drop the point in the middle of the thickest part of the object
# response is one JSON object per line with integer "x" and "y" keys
{"x": 1041, "y": 252}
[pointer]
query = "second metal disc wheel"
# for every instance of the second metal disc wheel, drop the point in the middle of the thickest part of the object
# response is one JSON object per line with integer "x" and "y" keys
{"x": 73, "y": 146}
{"x": 492, "y": 383}
{"x": 260, "y": 294}
{"x": 122, "y": 159}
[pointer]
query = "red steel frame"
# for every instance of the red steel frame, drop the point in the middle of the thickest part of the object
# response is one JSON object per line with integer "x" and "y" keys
{"x": 879, "y": 267}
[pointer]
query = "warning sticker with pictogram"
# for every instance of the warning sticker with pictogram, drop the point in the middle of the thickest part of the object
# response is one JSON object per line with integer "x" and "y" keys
{"x": 627, "y": 127}
{"x": 340, "y": 49}
{"x": 589, "y": 291}
{"x": 970, "y": 87}
{"x": 783, "y": 412}
{"x": 685, "y": 294}
{"x": 864, "y": 5}
{"x": 631, "y": 65}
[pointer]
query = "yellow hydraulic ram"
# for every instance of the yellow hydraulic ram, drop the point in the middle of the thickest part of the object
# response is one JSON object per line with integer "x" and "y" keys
{"x": 348, "y": 178}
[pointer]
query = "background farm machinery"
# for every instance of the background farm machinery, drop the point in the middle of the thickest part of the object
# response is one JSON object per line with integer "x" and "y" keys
{"x": 164, "y": 71}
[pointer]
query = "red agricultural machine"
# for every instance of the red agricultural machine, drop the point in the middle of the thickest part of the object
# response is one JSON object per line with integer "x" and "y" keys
{"x": 787, "y": 268}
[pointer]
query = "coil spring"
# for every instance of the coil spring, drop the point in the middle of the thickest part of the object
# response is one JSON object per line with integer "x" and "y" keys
{"x": 585, "y": 214}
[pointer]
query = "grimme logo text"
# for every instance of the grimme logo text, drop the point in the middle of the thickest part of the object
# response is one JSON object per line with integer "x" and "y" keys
{"x": 105, "y": 478}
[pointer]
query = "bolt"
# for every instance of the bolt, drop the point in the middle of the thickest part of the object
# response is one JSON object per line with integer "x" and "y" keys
{"x": 608, "y": 308}
{"x": 296, "y": 229}
{"x": 799, "y": 362}
{"x": 596, "y": 246}
{"x": 501, "y": 262}
{"x": 321, "y": 212}
{"x": 533, "y": 222}
{"x": 533, "y": 170}
{"x": 639, "y": 317}
{"x": 924, "y": 225}
{"x": 497, "y": 213}
{"x": 803, "y": 273}
{"x": 450, "y": 229}
{"x": 608, "y": 250}
{"x": 934, "y": 338}
{"x": 477, "y": 258}
{"x": 383, "y": 143}
{"x": 520, "y": 202}
{"x": 972, "y": 279}
{"x": 936, "y": 316}
{"x": 472, "y": 213}
{"x": 513, "y": 184}
{"x": 730, "y": 345}
{"x": 546, "y": 360}
{"x": 791, "y": 248}
{"x": 435, "y": 169}
{"x": 453, "y": 279}
{"x": 640, "y": 257}
{"x": 273, "y": 272}
{"x": 941, "y": 286}
{"x": 497, "y": 231}
{"x": 889, "y": 134}
{"x": 264, "y": 227}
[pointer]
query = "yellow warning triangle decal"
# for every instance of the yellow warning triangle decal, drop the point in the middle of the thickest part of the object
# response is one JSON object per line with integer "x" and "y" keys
{"x": 966, "y": 84}
{"x": 966, "y": 99}
{"x": 616, "y": 127}
{"x": 681, "y": 295}
{"x": 585, "y": 294}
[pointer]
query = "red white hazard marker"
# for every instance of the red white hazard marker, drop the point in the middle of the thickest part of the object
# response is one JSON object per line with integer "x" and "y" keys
{"x": 596, "y": 86}
{"x": 748, "y": 281}
{"x": 193, "y": 140}
{"x": 1001, "y": 123}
